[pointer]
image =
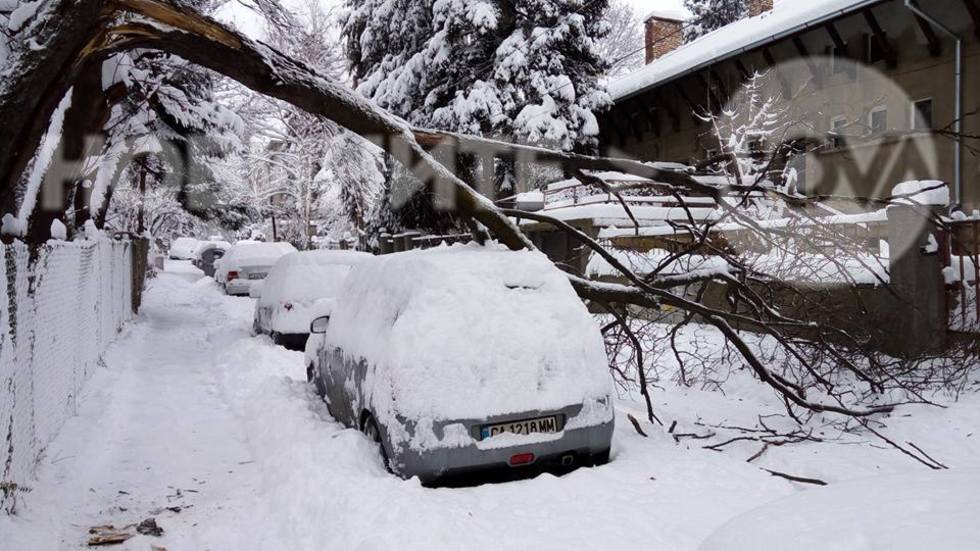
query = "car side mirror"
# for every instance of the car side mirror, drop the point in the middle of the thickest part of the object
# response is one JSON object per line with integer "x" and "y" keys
{"x": 319, "y": 325}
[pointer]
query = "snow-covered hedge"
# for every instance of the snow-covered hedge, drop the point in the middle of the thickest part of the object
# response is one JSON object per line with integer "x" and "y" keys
{"x": 57, "y": 316}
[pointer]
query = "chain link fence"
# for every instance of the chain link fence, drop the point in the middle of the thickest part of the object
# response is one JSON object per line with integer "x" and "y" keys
{"x": 59, "y": 309}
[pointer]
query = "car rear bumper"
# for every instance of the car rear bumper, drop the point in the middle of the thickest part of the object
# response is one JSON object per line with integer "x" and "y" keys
{"x": 575, "y": 447}
{"x": 238, "y": 287}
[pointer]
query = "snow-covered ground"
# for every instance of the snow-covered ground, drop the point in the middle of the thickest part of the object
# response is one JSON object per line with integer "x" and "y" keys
{"x": 192, "y": 412}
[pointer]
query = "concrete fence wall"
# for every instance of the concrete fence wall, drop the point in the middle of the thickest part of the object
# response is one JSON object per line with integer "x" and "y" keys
{"x": 58, "y": 313}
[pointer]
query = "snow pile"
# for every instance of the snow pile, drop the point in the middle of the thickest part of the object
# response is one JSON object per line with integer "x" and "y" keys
{"x": 465, "y": 331}
{"x": 644, "y": 263}
{"x": 58, "y": 230}
{"x": 900, "y": 513}
{"x": 299, "y": 280}
{"x": 922, "y": 192}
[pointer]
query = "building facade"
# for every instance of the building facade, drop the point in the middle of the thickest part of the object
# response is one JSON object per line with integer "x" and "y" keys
{"x": 865, "y": 92}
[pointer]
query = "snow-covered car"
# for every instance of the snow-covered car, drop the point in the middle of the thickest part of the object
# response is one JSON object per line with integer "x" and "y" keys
{"x": 183, "y": 248}
{"x": 246, "y": 263}
{"x": 295, "y": 283}
{"x": 207, "y": 253}
{"x": 466, "y": 358}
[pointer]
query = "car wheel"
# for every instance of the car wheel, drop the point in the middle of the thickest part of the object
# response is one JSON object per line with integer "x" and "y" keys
{"x": 370, "y": 429}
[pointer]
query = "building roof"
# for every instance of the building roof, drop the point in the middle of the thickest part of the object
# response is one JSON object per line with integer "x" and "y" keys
{"x": 786, "y": 18}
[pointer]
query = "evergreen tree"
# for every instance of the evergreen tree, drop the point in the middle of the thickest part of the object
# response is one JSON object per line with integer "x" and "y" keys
{"x": 525, "y": 70}
{"x": 709, "y": 15}
{"x": 516, "y": 70}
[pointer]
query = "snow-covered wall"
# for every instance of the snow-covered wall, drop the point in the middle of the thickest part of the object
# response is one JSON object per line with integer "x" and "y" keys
{"x": 57, "y": 316}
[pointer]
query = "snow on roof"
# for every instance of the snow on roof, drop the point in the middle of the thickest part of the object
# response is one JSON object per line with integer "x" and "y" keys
{"x": 673, "y": 15}
{"x": 872, "y": 217}
{"x": 922, "y": 192}
{"x": 466, "y": 331}
{"x": 746, "y": 34}
{"x": 613, "y": 214}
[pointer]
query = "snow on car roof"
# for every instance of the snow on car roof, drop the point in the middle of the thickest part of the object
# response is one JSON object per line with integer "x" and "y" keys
{"x": 305, "y": 276}
{"x": 745, "y": 34}
{"x": 258, "y": 252}
{"x": 466, "y": 331}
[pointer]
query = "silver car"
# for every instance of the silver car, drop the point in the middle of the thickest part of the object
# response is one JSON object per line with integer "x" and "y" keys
{"x": 452, "y": 413}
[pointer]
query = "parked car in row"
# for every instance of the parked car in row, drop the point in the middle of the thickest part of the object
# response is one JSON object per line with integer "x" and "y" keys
{"x": 207, "y": 253}
{"x": 247, "y": 262}
{"x": 465, "y": 358}
{"x": 183, "y": 248}
{"x": 300, "y": 287}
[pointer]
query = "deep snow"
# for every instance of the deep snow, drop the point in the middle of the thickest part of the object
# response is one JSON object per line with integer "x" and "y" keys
{"x": 189, "y": 401}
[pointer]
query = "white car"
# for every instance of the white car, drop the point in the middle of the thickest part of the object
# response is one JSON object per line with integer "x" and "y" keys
{"x": 183, "y": 248}
{"x": 247, "y": 263}
{"x": 300, "y": 287}
{"x": 464, "y": 358}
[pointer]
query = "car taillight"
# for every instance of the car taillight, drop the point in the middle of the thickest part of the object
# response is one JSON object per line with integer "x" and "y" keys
{"x": 231, "y": 275}
{"x": 521, "y": 459}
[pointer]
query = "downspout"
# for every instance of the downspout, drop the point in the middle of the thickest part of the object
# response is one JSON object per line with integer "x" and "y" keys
{"x": 958, "y": 104}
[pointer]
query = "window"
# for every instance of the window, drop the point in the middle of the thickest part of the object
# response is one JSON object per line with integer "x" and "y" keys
{"x": 878, "y": 120}
{"x": 837, "y": 127}
{"x": 921, "y": 114}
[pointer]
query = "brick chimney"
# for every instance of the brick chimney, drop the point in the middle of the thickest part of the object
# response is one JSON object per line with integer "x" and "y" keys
{"x": 758, "y": 7}
{"x": 664, "y": 34}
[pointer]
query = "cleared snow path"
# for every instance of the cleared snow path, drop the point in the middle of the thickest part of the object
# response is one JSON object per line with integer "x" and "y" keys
{"x": 193, "y": 412}
{"x": 152, "y": 432}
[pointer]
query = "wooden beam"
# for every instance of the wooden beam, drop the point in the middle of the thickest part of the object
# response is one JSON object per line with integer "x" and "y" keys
{"x": 974, "y": 8}
{"x": 650, "y": 115}
{"x": 742, "y": 70}
{"x": 635, "y": 122}
{"x": 614, "y": 126}
{"x": 692, "y": 109}
{"x": 891, "y": 56}
{"x": 835, "y": 37}
{"x": 771, "y": 62}
{"x": 805, "y": 54}
{"x": 665, "y": 106}
{"x": 721, "y": 84}
{"x": 712, "y": 98}
{"x": 935, "y": 47}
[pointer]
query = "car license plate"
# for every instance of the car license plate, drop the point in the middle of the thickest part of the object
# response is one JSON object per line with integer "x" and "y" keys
{"x": 256, "y": 276}
{"x": 524, "y": 426}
